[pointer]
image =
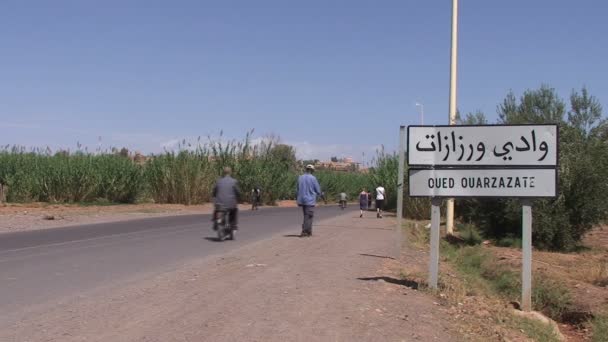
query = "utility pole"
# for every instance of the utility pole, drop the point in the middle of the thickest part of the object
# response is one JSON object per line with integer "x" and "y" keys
{"x": 453, "y": 78}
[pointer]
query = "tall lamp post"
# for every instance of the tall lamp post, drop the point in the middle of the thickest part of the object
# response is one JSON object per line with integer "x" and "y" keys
{"x": 421, "y": 112}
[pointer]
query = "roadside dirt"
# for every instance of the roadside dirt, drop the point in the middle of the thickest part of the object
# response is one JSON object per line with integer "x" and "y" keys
{"x": 34, "y": 216}
{"x": 474, "y": 316}
{"x": 339, "y": 285}
{"x": 584, "y": 274}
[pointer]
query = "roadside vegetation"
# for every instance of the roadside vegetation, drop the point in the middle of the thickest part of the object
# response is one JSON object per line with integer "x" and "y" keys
{"x": 480, "y": 284}
{"x": 475, "y": 288}
{"x": 558, "y": 224}
{"x": 482, "y": 263}
{"x": 184, "y": 176}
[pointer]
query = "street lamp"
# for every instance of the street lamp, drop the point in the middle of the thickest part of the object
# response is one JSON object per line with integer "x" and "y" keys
{"x": 421, "y": 112}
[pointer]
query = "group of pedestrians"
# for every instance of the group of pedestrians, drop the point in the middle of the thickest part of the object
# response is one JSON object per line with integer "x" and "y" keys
{"x": 309, "y": 189}
{"x": 365, "y": 201}
{"x": 226, "y": 194}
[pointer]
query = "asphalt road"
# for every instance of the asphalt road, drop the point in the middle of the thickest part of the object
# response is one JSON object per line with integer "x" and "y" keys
{"x": 48, "y": 265}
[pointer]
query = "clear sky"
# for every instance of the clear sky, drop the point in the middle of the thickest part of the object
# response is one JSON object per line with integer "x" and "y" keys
{"x": 330, "y": 77}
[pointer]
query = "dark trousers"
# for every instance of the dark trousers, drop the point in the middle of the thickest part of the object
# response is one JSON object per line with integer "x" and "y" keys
{"x": 232, "y": 214}
{"x": 308, "y": 211}
{"x": 255, "y": 202}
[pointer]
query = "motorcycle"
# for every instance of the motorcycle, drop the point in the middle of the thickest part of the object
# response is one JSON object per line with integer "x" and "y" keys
{"x": 222, "y": 226}
{"x": 342, "y": 204}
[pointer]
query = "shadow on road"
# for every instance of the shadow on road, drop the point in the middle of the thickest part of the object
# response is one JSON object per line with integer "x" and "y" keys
{"x": 403, "y": 282}
{"x": 213, "y": 238}
{"x": 377, "y": 256}
{"x": 351, "y": 227}
{"x": 292, "y": 235}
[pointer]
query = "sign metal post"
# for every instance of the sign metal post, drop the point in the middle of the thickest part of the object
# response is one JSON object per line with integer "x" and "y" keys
{"x": 434, "y": 261}
{"x": 526, "y": 273}
{"x": 400, "y": 181}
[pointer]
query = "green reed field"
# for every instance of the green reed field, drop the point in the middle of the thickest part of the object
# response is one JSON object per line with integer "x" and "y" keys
{"x": 184, "y": 176}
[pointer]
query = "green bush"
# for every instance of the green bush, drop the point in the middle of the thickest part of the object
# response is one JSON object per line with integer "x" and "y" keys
{"x": 470, "y": 234}
{"x": 188, "y": 175}
{"x": 509, "y": 241}
{"x": 550, "y": 297}
{"x": 600, "y": 328}
{"x": 35, "y": 176}
{"x": 560, "y": 223}
{"x": 385, "y": 173}
{"x": 471, "y": 259}
{"x": 536, "y": 330}
{"x": 475, "y": 262}
{"x": 333, "y": 183}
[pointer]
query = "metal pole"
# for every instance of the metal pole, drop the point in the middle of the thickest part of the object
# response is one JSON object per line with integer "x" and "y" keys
{"x": 400, "y": 181}
{"x": 434, "y": 260}
{"x": 526, "y": 273}
{"x": 421, "y": 112}
{"x": 453, "y": 78}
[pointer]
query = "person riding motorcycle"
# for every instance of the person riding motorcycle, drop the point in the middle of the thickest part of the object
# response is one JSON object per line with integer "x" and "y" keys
{"x": 226, "y": 194}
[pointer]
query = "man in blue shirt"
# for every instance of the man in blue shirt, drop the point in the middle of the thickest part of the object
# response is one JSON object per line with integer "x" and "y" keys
{"x": 307, "y": 191}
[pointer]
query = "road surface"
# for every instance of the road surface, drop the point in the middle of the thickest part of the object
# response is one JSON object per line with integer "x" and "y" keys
{"x": 47, "y": 265}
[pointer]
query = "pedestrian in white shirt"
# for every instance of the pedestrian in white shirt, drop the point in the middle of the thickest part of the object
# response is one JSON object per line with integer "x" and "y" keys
{"x": 380, "y": 197}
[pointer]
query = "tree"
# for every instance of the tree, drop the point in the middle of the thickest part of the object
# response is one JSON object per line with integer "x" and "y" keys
{"x": 285, "y": 154}
{"x": 334, "y": 159}
{"x": 538, "y": 106}
{"x": 478, "y": 118}
{"x": 585, "y": 111}
{"x": 124, "y": 152}
{"x": 560, "y": 223}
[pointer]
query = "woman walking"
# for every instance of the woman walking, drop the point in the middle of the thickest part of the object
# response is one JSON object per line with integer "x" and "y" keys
{"x": 363, "y": 197}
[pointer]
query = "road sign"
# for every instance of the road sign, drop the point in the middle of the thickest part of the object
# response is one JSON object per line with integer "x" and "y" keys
{"x": 482, "y": 183}
{"x": 483, "y": 161}
{"x": 486, "y": 145}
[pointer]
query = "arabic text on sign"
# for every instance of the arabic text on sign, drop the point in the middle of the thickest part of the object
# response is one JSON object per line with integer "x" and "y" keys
{"x": 451, "y": 145}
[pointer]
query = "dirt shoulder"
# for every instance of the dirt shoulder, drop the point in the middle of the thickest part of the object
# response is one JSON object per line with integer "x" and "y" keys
{"x": 35, "y": 216}
{"x": 480, "y": 283}
{"x": 338, "y": 285}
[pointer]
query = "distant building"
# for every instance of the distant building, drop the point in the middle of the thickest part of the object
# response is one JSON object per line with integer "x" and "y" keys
{"x": 139, "y": 158}
{"x": 343, "y": 165}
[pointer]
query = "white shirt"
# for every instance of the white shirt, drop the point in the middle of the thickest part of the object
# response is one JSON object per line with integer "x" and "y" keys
{"x": 380, "y": 193}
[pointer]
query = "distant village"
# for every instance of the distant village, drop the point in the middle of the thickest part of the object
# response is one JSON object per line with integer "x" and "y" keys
{"x": 347, "y": 164}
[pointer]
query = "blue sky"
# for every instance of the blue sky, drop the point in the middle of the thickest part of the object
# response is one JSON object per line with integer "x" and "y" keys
{"x": 330, "y": 77}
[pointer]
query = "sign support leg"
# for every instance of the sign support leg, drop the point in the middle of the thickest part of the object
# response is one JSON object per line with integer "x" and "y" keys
{"x": 400, "y": 181}
{"x": 526, "y": 274}
{"x": 434, "y": 261}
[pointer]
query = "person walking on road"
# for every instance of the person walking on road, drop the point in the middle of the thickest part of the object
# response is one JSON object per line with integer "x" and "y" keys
{"x": 369, "y": 200}
{"x": 363, "y": 196}
{"x": 307, "y": 191}
{"x": 380, "y": 196}
{"x": 226, "y": 194}
{"x": 256, "y": 198}
{"x": 343, "y": 198}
